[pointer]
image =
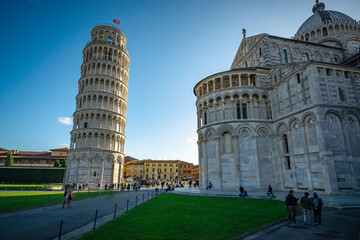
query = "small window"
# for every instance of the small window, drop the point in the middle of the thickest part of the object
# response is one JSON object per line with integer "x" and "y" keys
{"x": 170, "y": 169}
{"x": 298, "y": 78}
{"x": 306, "y": 57}
{"x": 342, "y": 95}
{"x": 288, "y": 165}
{"x": 260, "y": 53}
{"x": 165, "y": 165}
{"x": 147, "y": 170}
{"x": 95, "y": 174}
{"x": 347, "y": 74}
{"x": 244, "y": 111}
{"x": 85, "y": 125}
{"x": 275, "y": 78}
{"x": 109, "y": 41}
{"x": 159, "y": 165}
{"x": 356, "y": 47}
{"x": 238, "y": 112}
{"x": 324, "y": 31}
{"x": 153, "y": 169}
{"x": 285, "y": 59}
{"x": 328, "y": 72}
{"x": 246, "y": 64}
{"x": 336, "y": 59}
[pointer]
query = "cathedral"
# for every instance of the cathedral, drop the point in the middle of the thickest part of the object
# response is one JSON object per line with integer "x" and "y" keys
{"x": 287, "y": 112}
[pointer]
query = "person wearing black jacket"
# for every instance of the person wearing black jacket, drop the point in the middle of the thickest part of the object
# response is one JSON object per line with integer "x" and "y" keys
{"x": 270, "y": 192}
{"x": 317, "y": 204}
{"x": 291, "y": 203}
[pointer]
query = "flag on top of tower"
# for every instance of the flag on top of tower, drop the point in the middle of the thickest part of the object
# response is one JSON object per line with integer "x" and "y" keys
{"x": 116, "y": 21}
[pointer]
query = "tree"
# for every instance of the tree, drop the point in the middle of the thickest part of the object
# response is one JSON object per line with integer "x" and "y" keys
{"x": 9, "y": 160}
{"x": 63, "y": 163}
{"x": 56, "y": 163}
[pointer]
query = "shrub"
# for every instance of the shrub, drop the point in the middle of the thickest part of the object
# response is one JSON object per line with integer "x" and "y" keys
{"x": 63, "y": 163}
{"x": 56, "y": 163}
{"x": 9, "y": 160}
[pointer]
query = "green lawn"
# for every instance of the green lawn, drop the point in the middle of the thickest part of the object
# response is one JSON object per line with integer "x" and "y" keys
{"x": 171, "y": 216}
{"x": 10, "y": 201}
{"x": 27, "y": 187}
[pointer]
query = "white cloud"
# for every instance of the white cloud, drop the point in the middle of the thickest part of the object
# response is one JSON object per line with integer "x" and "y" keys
{"x": 64, "y": 120}
{"x": 191, "y": 140}
{"x": 64, "y": 145}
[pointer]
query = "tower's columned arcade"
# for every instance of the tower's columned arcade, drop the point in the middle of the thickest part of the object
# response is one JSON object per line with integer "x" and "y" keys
{"x": 96, "y": 153}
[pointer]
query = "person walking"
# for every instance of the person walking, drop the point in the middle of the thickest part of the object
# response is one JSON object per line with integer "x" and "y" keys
{"x": 65, "y": 199}
{"x": 270, "y": 192}
{"x": 306, "y": 205}
{"x": 291, "y": 203}
{"x": 317, "y": 204}
{"x": 69, "y": 196}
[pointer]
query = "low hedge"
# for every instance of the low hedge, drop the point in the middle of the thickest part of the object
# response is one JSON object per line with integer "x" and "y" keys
{"x": 31, "y": 175}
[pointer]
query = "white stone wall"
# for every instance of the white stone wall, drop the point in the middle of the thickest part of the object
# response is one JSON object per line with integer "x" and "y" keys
{"x": 315, "y": 104}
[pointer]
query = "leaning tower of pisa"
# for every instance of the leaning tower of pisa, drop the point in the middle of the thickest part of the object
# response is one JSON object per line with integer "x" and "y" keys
{"x": 96, "y": 154}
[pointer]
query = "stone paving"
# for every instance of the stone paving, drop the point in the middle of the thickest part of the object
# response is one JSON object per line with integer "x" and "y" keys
{"x": 44, "y": 222}
{"x": 336, "y": 224}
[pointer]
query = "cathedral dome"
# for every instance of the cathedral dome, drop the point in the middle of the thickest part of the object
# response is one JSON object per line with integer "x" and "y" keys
{"x": 320, "y": 19}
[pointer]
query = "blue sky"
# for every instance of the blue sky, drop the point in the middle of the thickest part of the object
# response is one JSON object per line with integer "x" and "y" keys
{"x": 173, "y": 44}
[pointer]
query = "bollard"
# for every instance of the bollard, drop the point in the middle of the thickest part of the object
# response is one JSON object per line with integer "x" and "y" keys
{"x": 26, "y": 201}
{"x": 61, "y": 223}
{"x": 115, "y": 211}
{"x": 136, "y": 201}
{"x": 127, "y": 206}
{"x": 143, "y": 198}
{"x": 95, "y": 218}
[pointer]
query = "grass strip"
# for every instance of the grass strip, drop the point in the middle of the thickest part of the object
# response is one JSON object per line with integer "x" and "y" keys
{"x": 10, "y": 201}
{"x": 171, "y": 216}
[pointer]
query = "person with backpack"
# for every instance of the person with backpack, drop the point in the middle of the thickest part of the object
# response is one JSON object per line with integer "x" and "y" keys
{"x": 306, "y": 205}
{"x": 291, "y": 203}
{"x": 317, "y": 204}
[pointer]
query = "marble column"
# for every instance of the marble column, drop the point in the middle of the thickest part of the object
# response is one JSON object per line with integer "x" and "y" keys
{"x": 102, "y": 174}
{"x": 218, "y": 161}
{"x": 237, "y": 160}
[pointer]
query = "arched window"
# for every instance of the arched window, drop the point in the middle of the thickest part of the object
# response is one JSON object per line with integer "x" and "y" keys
{"x": 306, "y": 57}
{"x": 227, "y": 143}
{"x": 285, "y": 145}
{"x": 324, "y": 32}
{"x": 285, "y": 59}
{"x": 109, "y": 41}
